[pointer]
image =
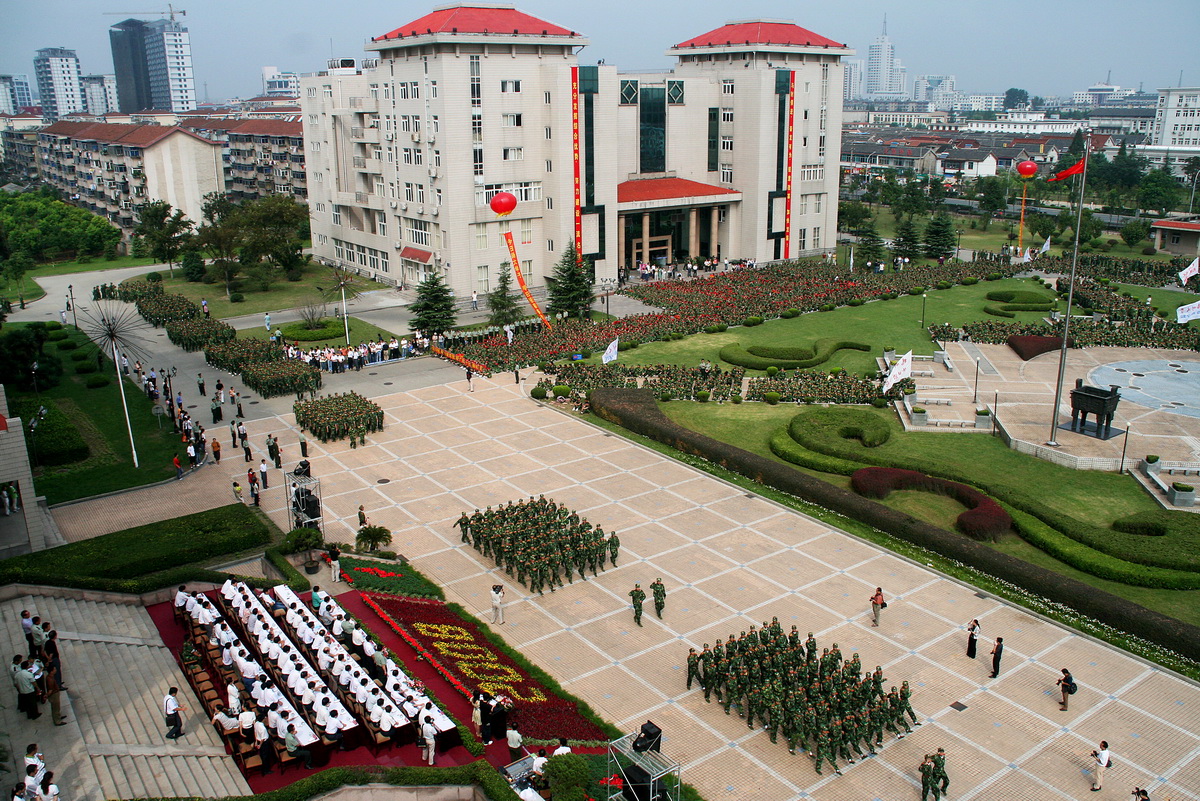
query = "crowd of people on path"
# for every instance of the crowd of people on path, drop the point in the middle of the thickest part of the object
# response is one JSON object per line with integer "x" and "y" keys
{"x": 37, "y": 674}
{"x": 37, "y": 783}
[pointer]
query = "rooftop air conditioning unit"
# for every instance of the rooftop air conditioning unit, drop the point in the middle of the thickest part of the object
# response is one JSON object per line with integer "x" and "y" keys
{"x": 393, "y": 204}
{"x": 416, "y": 137}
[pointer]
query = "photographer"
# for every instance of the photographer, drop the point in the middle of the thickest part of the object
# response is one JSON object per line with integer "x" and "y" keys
{"x": 1103, "y": 759}
{"x": 498, "y": 604}
{"x": 1067, "y": 686}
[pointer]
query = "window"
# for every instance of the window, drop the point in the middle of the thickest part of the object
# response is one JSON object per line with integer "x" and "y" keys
{"x": 550, "y": 245}
{"x": 802, "y": 204}
{"x": 417, "y": 231}
{"x": 418, "y": 156}
{"x": 526, "y": 232}
{"x": 549, "y": 133}
{"x": 437, "y": 158}
{"x": 406, "y": 155}
{"x": 381, "y": 223}
{"x": 820, "y": 146}
{"x": 817, "y": 209}
{"x": 527, "y": 266}
{"x": 410, "y": 192}
{"x": 726, "y": 115}
{"x": 476, "y": 86}
{"x": 420, "y": 193}
{"x": 816, "y": 237}
{"x": 337, "y": 214}
{"x": 727, "y": 86}
{"x": 374, "y": 91}
{"x": 477, "y": 161}
{"x": 513, "y": 154}
{"x": 481, "y": 279}
{"x": 512, "y": 120}
{"x": 327, "y": 90}
{"x": 510, "y": 87}
{"x": 437, "y": 198}
{"x": 549, "y": 165}
{"x": 415, "y": 90}
{"x": 1174, "y": 239}
{"x": 402, "y": 91}
{"x": 546, "y": 97}
{"x": 802, "y": 239}
{"x": 433, "y": 89}
{"x": 503, "y": 228}
{"x": 629, "y": 93}
{"x": 477, "y": 127}
{"x": 434, "y": 125}
{"x": 316, "y": 147}
{"x": 311, "y": 91}
{"x": 405, "y": 123}
{"x": 726, "y": 173}
{"x": 481, "y": 238}
{"x": 727, "y": 143}
{"x": 312, "y": 119}
{"x": 550, "y": 203}
{"x": 675, "y": 93}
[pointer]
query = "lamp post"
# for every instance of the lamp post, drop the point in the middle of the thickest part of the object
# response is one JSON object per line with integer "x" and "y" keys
{"x": 33, "y": 368}
{"x": 976, "y": 398}
{"x": 71, "y": 293}
{"x": 958, "y": 247}
{"x": 924, "y": 297}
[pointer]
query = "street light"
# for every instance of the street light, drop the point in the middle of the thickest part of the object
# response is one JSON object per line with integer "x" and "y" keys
{"x": 33, "y": 368}
{"x": 924, "y": 296}
{"x": 958, "y": 247}
{"x": 976, "y": 398}
{"x": 71, "y": 294}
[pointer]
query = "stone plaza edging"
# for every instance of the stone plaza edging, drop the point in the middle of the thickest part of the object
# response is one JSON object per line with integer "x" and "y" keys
{"x": 637, "y": 411}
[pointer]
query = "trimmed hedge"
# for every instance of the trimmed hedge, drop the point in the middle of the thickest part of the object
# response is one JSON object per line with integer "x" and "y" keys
{"x": 57, "y": 440}
{"x": 760, "y": 357}
{"x": 97, "y": 381}
{"x": 329, "y": 329}
{"x": 816, "y": 429}
{"x": 636, "y": 410}
{"x": 1023, "y": 296}
{"x": 983, "y": 520}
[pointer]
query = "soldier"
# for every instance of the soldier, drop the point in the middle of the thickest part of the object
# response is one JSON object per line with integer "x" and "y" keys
{"x": 693, "y": 667}
{"x": 928, "y": 781}
{"x": 906, "y": 703}
{"x": 638, "y": 595}
{"x": 464, "y": 523}
{"x": 771, "y": 708}
{"x": 810, "y": 646}
{"x": 939, "y": 771}
{"x": 660, "y": 596}
{"x": 824, "y": 752}
{"x": 614, "y": 547}
{"x": 707, "y": 660}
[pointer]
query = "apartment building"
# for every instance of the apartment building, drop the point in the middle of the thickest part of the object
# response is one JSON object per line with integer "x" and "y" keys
{"x": 723, "y": 156}
{"x": 59, "y": 82}
{"x": 18, "y": 145}
{"x": 153, "y": 63}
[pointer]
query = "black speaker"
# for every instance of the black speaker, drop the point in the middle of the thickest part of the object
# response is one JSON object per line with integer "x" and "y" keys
{"x": 650, "y": 738}
{"x": 303, "y": 468}
{"x": 638, "y": 786}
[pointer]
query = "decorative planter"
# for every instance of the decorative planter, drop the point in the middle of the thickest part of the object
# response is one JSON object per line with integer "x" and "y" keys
{"x": 312, "y": 568}
{"x": 1178, "y": 498}
{"x": 1150, "y": 468}
{"x": 983, "y": 421}
{"x": 920, "y": 418}
{"x": 889, "y": 356}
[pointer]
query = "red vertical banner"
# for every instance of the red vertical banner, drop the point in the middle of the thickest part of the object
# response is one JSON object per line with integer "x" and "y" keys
{"x": 516, "y": 265}
{"x": 578, "y": 204}
{"x": 787, "y": 198}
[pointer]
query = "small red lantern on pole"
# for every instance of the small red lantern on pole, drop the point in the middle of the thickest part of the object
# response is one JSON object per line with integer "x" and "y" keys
{"x": 503, "y": 203}
{"x": 1026, "y": 169}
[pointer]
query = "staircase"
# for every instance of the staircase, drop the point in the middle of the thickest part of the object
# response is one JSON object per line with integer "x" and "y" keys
{"x": 118, "y": 671}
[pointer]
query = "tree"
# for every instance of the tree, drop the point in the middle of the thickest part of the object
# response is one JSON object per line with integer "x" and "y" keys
{"x": 1089, "y": 226}
{"x": 222, "y": 237}
{"x": 1159, "y": 190}
{"x": 1135, "y": 231}
{"x": 20, "y": 348}
{"x": 936, "y": 190}
{"x": 870, "y": 245}
{"x": 192, "y": 264}
{"x": 993, "y": 194}
{"x": 504, "y": 308}
{"x": 1041, "y": 225}
{"x": 15, "y": 268}
{"x": 852, "y": 215}
{"x": 940, "y": 237}
{"x": 371, "y": 537}
{"x": 911, "y": 201}
{"x": 1191, "y": 169}
{"x": 433, "y": 311}
{"x": 1037, "y": 102}
{"x": 568, "y": 776}
{"x": 570, "y": 288}
{"x": 273, "y": 227}
{"x": 907, "y": 244}
{"x": 166, "y": 231}
{"x": 1015, "y": 98}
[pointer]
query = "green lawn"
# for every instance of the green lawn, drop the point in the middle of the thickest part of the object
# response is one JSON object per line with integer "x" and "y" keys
{"x": 102, "y": 423}
{"x": 69, "y": 267}
{"x": 879, "y": 323}
{"x": 282, "y": 295}
{"x": 1163, "y": 299}
{"x": 360, "y": 331}
{"x": 28, "y": 288}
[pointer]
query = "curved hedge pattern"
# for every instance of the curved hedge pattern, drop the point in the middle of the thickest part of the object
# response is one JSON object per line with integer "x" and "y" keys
{"x": 760, "y": 357}
{"x": 983, "y": 520}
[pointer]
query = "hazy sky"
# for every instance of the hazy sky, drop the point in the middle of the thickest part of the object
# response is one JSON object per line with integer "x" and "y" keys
{"x": 1047, "y": 48}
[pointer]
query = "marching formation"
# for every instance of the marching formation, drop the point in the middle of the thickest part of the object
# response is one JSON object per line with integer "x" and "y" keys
{"x": 826, "y": 706}
{"x": 539, "y": 540}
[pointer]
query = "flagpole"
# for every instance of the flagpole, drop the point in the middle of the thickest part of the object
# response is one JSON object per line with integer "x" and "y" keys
{"x": 1021, "y": 228}
{"x": 1062, "y": 356}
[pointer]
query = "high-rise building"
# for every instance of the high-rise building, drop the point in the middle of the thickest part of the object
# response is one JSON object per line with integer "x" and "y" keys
{"x": 59, "y": 81}
{"x": 930, "y": 88}
{"x": 732, "y": 154}
{"x": 886, "y": 77}
{"x": 852, "y": 79}
{"x": 100, "y": 94}
{"x": 14, "y": 93}
{"x": 153, "y": 64}
{"x": 280, "y": 84}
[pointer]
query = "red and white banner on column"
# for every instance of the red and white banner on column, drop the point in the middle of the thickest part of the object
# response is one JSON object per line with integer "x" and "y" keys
{"x": 1188, "y": 312}
{"x": 900, "y": 371}
{"x": 1189, "y": 271}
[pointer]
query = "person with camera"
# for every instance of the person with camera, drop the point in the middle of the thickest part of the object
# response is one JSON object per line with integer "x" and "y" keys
{"x": 498, "y": 604}
{"x": 1067, "y": 686}
{"x": 1103, "y": 759}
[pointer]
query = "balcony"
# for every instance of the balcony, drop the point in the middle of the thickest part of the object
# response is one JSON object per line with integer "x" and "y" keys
{"x": 360, "y": 162}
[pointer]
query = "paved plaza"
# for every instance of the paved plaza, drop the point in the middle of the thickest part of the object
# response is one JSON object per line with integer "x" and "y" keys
{"x": 730, "y": 560}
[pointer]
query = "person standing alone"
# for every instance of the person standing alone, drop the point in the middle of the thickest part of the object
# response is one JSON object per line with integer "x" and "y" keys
{"x": 1067, "y": 686}
{"x": 997, "y": 652}
{"x": 1103, "y": 759}
{"x": 171, "y": 711}
{"x": 498, "y": 604}
{"x": 973, "y": 630}
{"x": 877, "y": 605}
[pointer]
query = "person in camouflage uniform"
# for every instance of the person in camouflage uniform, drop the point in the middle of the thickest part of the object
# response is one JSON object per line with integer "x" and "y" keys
{"x": 928, "y": 779}
{"x": 939, "y": 770}
{"x": 693, "y": 667}
{"x": 639, "y": 596}
{"x": 660, "y": 596}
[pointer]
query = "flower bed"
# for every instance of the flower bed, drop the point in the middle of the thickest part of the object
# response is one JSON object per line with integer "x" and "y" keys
{"x": 235, "y": 354}
{"x": 338, "y": 416}
{"x": 365, "y": 575}
{"x": 270, "y": 379}
{"x": 159, "y": 310}
{"x": 193, "y": 335}
{"x": 984, "y": 519}
{"x": 466, "y": 658}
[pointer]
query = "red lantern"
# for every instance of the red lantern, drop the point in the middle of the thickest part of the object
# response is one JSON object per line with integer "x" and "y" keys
{"x": 1027, "y": 169}
{"x": 503, "y": 203}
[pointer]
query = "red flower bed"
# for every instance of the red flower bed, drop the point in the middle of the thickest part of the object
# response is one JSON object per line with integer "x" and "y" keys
{"x": 984, "y": 519}
{"x": 458, "y": 650}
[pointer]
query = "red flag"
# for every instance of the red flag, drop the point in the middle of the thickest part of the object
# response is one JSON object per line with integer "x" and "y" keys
{"x": 1074, "y": 169}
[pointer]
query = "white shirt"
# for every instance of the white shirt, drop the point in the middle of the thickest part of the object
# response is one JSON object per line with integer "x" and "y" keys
{"x": 562, "y": 749}
{"x": 171, "y": 706}
{"x": 246, "y": 719}
{"x": 1102, "y": 757}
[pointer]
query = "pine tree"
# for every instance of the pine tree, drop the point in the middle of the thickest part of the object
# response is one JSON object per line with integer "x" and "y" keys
{"x": 870, "y": 245}
{"x": 940, "y": 241}
{"x": 433, "y": 311}
{"x": 907, "y": 244}
{"x": 571, "y": 285}
{"x": 504, "y": 308}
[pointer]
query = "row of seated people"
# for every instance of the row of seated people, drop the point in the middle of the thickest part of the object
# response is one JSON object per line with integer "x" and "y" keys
{"x": 373, "y": 684}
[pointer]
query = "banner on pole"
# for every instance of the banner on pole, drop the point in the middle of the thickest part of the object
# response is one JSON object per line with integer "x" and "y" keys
{"x": 516, "y": 265}
{"x": 1045, "y": 247}
{"x": 1188, "y": 312}
{"x": 901, "y": 370}
{"x": 1189, "y": 271}
{"x": 610, "y": 353}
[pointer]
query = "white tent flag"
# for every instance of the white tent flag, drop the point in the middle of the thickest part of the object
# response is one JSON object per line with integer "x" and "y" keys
{"x": 610, "y": 353}
{"x": 1190, "y": 270}
{"x": 901, "y": 370}
{"x": 1045, "y": 247}
{"x": 1188, "y": 312}
{"x": 1028, "y": 257}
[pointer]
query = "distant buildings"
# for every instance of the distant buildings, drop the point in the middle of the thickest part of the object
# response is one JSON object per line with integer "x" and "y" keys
{"x": 153, "y": 64}
{"x": 280, "y": 84}
{"x": 886, "y": 78}
{"x": 99, "y": 94}
{"x": 852, "y": 79}
{"x": 59, "y": 82}
{"x": 14, "y": 93}
{"x": 1025, "y": 123}
{"x": 1175, "y": 136}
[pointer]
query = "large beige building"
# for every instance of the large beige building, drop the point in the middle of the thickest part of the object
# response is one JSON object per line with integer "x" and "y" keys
{"x": 732, "y": 154}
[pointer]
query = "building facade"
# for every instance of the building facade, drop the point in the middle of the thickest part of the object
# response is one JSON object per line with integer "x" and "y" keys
{"x": 99, "y": 94}
{"x": 59, "y": 81}
{"x": 153, "y": 65}
{"x": 280, "y": 84}
{"x": 14, "y": 93}
{"x": 723, "y": 156}
{"x": 886, "y": 78}
{"x": 18, "y": 145}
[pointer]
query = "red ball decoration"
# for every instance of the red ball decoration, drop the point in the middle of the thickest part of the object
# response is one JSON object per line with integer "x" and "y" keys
{"x": 503, "y": 203}
{"x": 1027, "y": 169}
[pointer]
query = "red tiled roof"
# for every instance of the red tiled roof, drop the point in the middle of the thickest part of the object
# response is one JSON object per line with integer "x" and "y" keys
{"x": 666, "y": 189}
{"x": 416, "y": 254}
{"x": 1178, "y": 225}
{"x": 476, "y": 19}
{"x": 264, "y": 127}
{"x": 760, "y": 32}
{"x": 124, "y": 134}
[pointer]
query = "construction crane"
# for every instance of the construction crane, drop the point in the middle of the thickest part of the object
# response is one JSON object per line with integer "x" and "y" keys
{"x": 170, "y": 12}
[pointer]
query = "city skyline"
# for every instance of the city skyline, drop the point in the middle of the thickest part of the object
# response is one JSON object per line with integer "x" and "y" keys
{"x": 231, "y": 42}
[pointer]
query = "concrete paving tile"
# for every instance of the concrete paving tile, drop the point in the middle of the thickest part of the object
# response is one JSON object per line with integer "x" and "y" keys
{"x": 736, "y": 506}
{"x": 685, "y": 739}
{"x": 644, "y": 540}
{"x": 839, "y": 551}
{"x": 698, "y": 562}
{"x": 744, "y": 546}
{"x": 1022, "y": 632}
{"x": 1002, "y": 727}
{"x": 700, "y": 491}
{"x": 506, "y": 465}
{"x": 566, "y": 654}
{"x": 481, "y": 496}
{"x": 790, "y": 529}
{"x": 658, "y": 504}
{"x": 434, "y": 461}
{"x": 953, "y": 602}
{"x": 739, "y": 589}
{"x": 934, "y": 686}
{"x": 1137, "y": 737}
{"x": 540, "y": 481}
{"x": 664, "y": 667}
{"x": 460, "y": 477}
{"x": 843, "y": 594}
{"x": 666, "y": 474}
{"x": 1167, "y": 697}
{"x": 579, "y": 497}
{"x": 693, "y": 522}
{"x": 588, "y": 470}
{"x": 631, "y": 458}
{"x": 790, "y": 569}
{"x": 741, "y": 778}
{"x": 407, "y": 489}
{"x": 618, "y": 688}
{"x": 598, "y": 444}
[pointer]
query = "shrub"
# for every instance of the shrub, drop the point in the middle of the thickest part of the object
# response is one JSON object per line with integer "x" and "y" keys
{"x": 703, "y": 395}
{"x": 918, "y": 410}
{"x": 970, "y": 280}
{"x": 154, "y": 278}
{"x": 67, "y": 344}
{"x": 328, "y": 329}
{"x": 1152, "y": 458}
{"x": 710, "y": 329}
{"x": 772, "y": 371}
{"x": 722, "y": 327}
{"x": 772, "y": 398}
{"x": 982, "y": 412}
{"x": 735, "y": 398}
{"x": 753, "y": 320}
{"x": 58, "y": 440}
{"x": 998, "y": 311}
{"x": 53, "y": 325}
{"x": 57, "y": 336}
{"x": 984, "y": 519}
{"x": 1179, "y": 486}
{"x": 560, "y": 390}
{"x": 827, "y": 307}
{"x": 80, "y": 355}
{"x": 192, "y": 264}
{"x": 1027, "y": 347}
{"x": 237, "y": 297}
{"x": 944, "y": 284}
{"x": 788, "y": 314}
{"x": 294, "y": 275}
{"x": 1145, "y": 524}
{"x": 762, "y": 357}
{"x": 83, "y": 368}
{"x": 1149, "y": 251}
{"x": 1019, "y": 296}
{"x": 992, "y": 277}
{"x": 854, "y": 302}
{"x": 538, "y": 393}
{"x": 878, "y": 403}
{"x": 916, "y": 290}
{"x": 97, "y": 381}
{"x": 587, "y": 354}
{"x": 664, "y": 397}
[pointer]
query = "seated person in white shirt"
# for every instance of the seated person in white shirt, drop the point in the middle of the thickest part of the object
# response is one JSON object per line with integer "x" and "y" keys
{"x": 348, "y": 676}
{"x": 333, "y": 729}
{"x": 540, "y": 761}
{"x": 233, "y": 696}
{"x": 336, "y": 628}
{"x": 227, "y": 655}
{"x": 308, "y": 696}
{"x": 273, "y": 716}
{"x": 358, "y": 637}
{"x": 321, "y": 712}
{"x": 228, "y": 591}
{"x": 181, "y": 596}
{"x": 246, "y": 723}
{"x": 362, "y": 691}
{"x": 189, "y": 604}
{"x": 228, "y": 723}
{"x": 563, "y": 748}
